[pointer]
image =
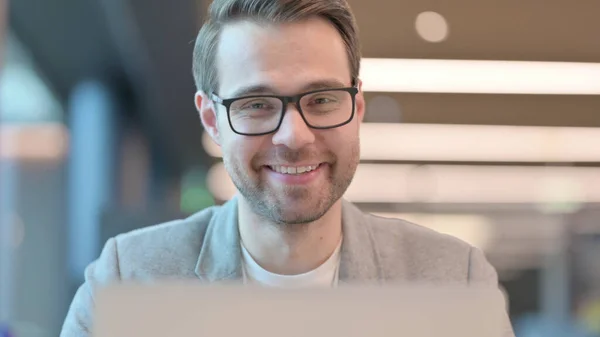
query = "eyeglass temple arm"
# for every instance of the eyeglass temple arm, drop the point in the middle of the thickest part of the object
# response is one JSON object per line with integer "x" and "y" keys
{"x": 216, "y": 98}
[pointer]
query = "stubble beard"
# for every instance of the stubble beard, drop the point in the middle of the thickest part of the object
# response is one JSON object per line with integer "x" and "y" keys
{"x": 273, "y": 205}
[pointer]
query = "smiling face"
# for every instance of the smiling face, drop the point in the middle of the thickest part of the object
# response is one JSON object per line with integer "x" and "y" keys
{"x": 297, "y": 173}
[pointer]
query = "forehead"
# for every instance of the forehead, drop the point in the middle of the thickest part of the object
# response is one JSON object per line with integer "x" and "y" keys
{"x": 284, "y": 57}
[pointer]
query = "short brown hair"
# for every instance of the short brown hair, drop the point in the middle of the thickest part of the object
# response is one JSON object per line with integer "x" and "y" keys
{"x": 221, "y": 12}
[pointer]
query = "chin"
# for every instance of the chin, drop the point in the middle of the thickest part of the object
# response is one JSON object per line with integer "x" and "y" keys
{"x": 293, "y": 218}
{"x": 298, "y": 211}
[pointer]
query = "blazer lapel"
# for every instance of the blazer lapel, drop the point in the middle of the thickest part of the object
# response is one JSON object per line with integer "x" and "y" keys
{"x": 360, "y": 261}
{"x": 220, "y": 256}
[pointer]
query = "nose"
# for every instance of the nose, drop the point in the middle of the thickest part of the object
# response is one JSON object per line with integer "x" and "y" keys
{"x": 293, "y": 131}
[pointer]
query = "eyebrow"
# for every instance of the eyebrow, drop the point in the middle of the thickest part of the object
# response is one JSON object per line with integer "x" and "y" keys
{"x": 261, "y": 89}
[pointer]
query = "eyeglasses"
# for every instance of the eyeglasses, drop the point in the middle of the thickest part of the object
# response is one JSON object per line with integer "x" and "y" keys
{"x": 263, "y": 114}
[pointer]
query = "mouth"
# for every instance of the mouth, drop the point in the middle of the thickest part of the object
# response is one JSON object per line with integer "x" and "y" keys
{"x": 293, "y": 170}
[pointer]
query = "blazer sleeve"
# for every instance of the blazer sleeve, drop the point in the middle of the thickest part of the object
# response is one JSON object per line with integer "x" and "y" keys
{"x": 481, "y": 272}
{"x": 105, "y": 269}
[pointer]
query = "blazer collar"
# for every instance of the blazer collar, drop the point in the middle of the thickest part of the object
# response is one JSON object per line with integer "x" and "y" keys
{"x": 360, "y": 261}
{"x": 220, "y": 255}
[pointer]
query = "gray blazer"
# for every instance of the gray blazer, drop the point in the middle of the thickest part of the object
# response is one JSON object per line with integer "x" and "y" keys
{"x": 206, "y": 247}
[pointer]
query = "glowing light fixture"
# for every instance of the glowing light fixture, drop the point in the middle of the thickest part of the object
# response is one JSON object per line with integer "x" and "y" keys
{"x": 480, "y": 77}
{"x": 471, "y": 143}
{"x": 381, "y": 183}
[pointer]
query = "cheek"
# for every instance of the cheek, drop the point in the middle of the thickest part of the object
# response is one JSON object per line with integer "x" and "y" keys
{"x": 343, "y": 140}
{"x": 229, "y": 140}
{"x": 241, "y": 150}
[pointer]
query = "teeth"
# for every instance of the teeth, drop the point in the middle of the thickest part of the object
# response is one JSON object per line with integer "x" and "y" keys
{"x": 293, "y": 169}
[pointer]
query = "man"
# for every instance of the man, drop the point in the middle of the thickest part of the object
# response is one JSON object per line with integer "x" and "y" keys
{"x": 278, "y": 90}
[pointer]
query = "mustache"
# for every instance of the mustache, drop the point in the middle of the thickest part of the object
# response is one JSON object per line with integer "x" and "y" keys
{"x": 286, "y": 155}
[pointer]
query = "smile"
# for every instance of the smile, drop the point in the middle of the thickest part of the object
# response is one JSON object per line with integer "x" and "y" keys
{"x": 293, "y": 169}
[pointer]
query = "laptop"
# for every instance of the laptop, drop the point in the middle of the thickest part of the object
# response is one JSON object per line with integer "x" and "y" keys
{"x": 186, "y": 310}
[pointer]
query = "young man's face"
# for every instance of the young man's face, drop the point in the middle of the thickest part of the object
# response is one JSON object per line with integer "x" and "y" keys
{"x": 286, "y": 59}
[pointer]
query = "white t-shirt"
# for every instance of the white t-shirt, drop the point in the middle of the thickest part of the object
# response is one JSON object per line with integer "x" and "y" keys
{"x": 326, "y": 275}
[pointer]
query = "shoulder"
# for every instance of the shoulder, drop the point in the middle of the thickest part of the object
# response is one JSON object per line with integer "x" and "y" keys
{"x": 167, "y": 233}
{"x": 424, "y": 253}
{"x": 392, "y": 230}
{"x": 166, "y": 249}
{"x": 161, "y": 251}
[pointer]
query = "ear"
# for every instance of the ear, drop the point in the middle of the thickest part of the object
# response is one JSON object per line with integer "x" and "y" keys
{"x": 360, "y": 102}
{"x": 208, "y": 115}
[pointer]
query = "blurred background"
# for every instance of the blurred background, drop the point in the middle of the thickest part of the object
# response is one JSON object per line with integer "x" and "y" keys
{"x": 99, "y": 136}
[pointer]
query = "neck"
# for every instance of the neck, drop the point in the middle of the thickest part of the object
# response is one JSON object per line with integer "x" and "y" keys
{"x": 290, "y": 249}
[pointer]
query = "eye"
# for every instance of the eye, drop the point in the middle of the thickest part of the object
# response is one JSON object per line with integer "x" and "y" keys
{"x": 255, "y": 106}
{"x": 322, "y": 100}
